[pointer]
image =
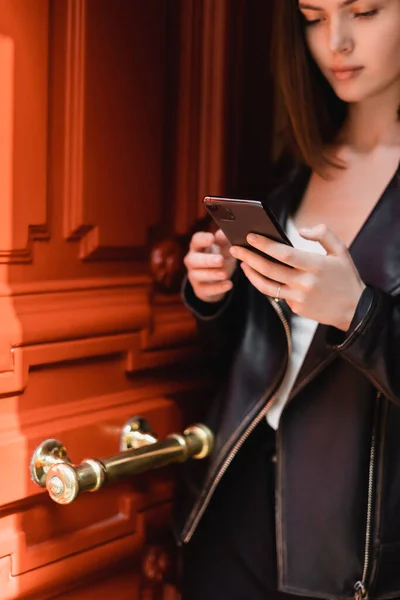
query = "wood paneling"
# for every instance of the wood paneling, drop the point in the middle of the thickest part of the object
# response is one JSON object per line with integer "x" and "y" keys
{"x": 115, "y": 114}
{"x": 85, "y": 344}
{"x": 23, "y": 131}
{"x": 201, "y": 106}
{"x": 74, "y": 226}
{"x": 7, "y": 61}
{"x": 115, "y": 120}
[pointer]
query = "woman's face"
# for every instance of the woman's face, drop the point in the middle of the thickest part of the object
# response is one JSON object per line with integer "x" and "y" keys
{"x": 356, "y": 44}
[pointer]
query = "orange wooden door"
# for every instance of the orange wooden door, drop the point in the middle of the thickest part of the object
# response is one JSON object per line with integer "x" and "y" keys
{"x": 116, "y": 117}
{"x": 82, "y": 122}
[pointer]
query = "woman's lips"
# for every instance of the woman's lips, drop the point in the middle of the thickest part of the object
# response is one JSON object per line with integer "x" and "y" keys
{"x": 346, "y": 72}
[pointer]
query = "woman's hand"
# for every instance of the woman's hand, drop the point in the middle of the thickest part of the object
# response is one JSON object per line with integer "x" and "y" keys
{"x": 210, "y": 265}
{"x": 326, "y": 289}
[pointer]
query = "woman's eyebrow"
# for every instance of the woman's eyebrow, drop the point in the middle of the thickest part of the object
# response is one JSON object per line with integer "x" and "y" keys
{"x": 310, "y": 7}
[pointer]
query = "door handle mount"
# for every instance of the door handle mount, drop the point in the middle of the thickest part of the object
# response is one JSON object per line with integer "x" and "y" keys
{"x": 141, "y": 451}
{"x": 136, "y": 433}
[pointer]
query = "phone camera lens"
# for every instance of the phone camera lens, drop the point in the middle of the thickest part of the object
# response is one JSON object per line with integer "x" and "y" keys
{"x": 229, "y": 215}
{"x": 212, "y": 207}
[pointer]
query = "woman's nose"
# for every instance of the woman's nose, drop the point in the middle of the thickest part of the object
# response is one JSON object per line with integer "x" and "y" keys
{"x": 341, "y": 41}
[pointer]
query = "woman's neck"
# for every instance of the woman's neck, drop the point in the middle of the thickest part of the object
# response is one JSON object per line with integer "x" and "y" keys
{"x": 374, "y": 122}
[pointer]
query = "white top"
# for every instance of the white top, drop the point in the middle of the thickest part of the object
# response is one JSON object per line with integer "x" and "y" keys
{"x": 302, "y": 332}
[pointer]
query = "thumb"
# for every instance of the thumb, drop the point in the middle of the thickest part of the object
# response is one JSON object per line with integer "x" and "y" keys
{"x": 328, "y": 240}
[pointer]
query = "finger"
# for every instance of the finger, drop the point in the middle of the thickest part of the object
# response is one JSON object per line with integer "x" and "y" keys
{"x": 298, "y": 259}
{"x": 267, "y": 268}
{"x": 221, "y": 238}
{"x": 223, "y": 243}
{"x": 202, "y": 260}
{"x": 267, "y": 286}
{"x": 207, "y": 276}
{"x": 201, "y": 240}
{"x": 325, "y": 236}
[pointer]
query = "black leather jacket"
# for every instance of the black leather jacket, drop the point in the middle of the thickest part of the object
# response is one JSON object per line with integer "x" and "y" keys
{"x": 338, "y": 442}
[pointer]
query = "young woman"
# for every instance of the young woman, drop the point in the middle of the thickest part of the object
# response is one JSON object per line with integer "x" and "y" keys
{"x": 302, "y": 493}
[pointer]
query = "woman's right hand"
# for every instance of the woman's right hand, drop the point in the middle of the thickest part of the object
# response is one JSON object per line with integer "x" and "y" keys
{"x": 210, "y": 265}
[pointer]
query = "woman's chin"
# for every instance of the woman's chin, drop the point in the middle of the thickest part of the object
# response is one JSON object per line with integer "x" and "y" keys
{"x": 347, "y": 94}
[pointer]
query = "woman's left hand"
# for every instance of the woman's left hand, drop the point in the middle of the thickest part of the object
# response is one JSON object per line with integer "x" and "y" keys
{"x": 326, "y": 289}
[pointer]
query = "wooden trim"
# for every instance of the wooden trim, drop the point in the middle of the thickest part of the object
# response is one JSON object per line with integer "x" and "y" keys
{"x": 144, "y": 396}
{"x": 7, "y": 66}
{"x": 202, "y": 107}
{"x": 77, "y": 567}
{"x": 60, "y": 321}
{"x": 213, "y": 116}
{"x": 10, "y": 252}
{"x": 74, "y": 225}
{"x": 10, "y": 326}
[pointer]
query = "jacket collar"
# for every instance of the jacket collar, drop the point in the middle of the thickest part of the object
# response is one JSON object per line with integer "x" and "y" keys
{"x": 375, "y": 252}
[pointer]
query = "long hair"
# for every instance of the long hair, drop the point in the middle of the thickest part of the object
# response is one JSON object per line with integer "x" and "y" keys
{"x": 309, "y": 113}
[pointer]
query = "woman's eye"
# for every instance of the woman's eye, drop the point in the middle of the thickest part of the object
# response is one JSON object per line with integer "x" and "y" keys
{"x": 362, "y": 15}
{"x": 366, "y": 15}
{"x": 313, "y": 22}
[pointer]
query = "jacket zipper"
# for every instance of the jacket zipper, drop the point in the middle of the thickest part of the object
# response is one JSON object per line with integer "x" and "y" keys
{"x": 187, "y": 536}
{"x": 360, "y": 587}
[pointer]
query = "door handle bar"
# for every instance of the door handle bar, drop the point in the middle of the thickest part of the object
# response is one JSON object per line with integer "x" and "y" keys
{"x": 52, "y": 469}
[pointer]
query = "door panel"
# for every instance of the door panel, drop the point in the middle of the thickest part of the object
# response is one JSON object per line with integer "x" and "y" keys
{"x": 116, "y": 117}
{"x": 24, "y": 127}
{"x": 81, "y": 178}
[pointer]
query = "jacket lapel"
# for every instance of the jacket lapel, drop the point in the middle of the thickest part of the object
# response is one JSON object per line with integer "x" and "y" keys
{"x": 376, "y": 256}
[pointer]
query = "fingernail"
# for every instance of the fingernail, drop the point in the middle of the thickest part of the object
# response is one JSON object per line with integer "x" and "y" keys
{"x": 305, "y": 230}
{"x": 252, "y": 238}
{"x": 216, "y": 260}
{"x": 233, "y": 251}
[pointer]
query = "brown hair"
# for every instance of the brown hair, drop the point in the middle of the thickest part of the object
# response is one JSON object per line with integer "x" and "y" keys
{"x": 309, "y": 112}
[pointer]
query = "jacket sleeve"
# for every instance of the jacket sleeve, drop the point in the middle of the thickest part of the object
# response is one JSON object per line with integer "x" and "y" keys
{"x": 372, "y": 343}
{"x": 220, "y": 325}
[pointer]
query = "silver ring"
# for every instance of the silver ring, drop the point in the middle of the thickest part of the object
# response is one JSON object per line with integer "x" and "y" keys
{"x": 278, "y": 293}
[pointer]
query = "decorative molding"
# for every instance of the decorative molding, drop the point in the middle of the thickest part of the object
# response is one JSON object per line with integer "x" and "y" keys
{"x": 10, "y": 326}
{"x": 76, "y": 229}
{"x": 171, "y": 325}
{"x": 118, "y": 519}
{"x": 92, "y": 249}
{"x": 65, "y": 321}
{"x": 7, "y": 66}
{"x": 55, "y": 316}
{"x": 214, "y": 99}
{"x": 203, "y": 102}
{"x": 74, "y": 226}
{"x": 17, "y": 256}
{"x": 10, "y": 250}
{"x": 88, "y": 217}
{"x": 69, "y": 571}
{"x": 74, "y": 285}
{"x": 148, "y": 395}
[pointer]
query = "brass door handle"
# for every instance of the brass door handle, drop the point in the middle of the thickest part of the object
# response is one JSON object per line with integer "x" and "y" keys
{"x": 141, "y": 451}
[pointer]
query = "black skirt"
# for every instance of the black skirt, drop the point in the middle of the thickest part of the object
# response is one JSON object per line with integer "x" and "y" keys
{"x": 232, "y": 555}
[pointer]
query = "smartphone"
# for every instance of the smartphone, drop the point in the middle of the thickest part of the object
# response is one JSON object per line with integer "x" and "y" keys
{"x": 238, "y": 217}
